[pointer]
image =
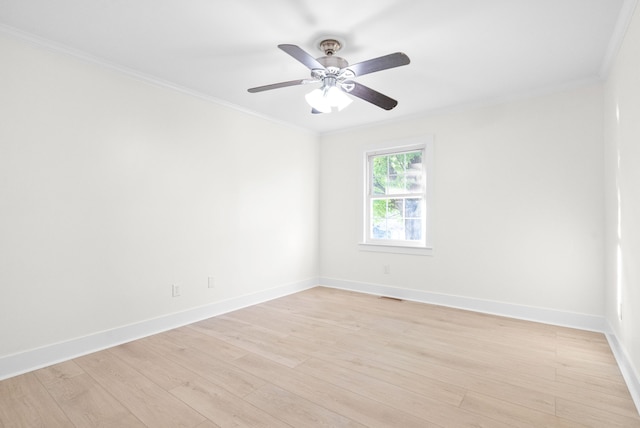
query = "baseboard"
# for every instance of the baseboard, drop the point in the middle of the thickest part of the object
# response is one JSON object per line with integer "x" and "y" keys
{"x": 23, "y": 362}
{"x": 629, "y": 374}
{"x": 529, "y": 313}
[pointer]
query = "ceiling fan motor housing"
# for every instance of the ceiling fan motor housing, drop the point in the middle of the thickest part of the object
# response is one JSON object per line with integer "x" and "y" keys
{"x": 333, "y": 61}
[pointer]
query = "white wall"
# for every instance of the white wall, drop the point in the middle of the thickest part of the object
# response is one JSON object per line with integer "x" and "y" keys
{"x": 112, "y": 189}
{"x": 622, "y": 155}
{"x": 517, "y": 211}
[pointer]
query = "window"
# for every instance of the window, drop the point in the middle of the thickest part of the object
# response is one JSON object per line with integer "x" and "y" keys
{"x": 396, "y": 197}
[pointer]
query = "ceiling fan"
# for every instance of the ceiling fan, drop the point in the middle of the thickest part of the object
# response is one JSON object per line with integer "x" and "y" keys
{"x": 337, "y": 77}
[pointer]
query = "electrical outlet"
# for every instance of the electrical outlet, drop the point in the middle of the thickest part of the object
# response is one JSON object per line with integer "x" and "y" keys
{"x": 175, "y": 290}
{"x": 211, "y": 282}
{"x": 387, "y": 269}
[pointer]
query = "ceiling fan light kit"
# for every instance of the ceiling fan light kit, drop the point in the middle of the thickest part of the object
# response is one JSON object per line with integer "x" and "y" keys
{"x": 337, "y": 77}
{"x": 324, "y": 99}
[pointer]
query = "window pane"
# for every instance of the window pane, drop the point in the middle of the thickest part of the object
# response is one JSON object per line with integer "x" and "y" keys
{"x": 379, "y": 229}
{"x": 396, "y": 163}
{"x": 396, "y": 184}
{"x": 395, "y": 229}
{"x": 414, "y": 181}
{"x": 414, "y": 158}
{"x": 379, "y": 209}
{"x": 380, "y": 175}
{"x": 413, "y": 229}
{"x": 414, "y": 171}
{"x": 397, "y": 176}
{"x": 395, "y": 208}
{"x": 397, "y": 173}
{"x": 413, "y": 207}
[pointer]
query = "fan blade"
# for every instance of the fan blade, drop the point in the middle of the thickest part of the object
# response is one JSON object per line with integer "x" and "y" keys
{"x": 302, "y": 56}
{"x": 374, "y": 97}
{"x": 280, "y": 85}
{"x": 381, "y": 63}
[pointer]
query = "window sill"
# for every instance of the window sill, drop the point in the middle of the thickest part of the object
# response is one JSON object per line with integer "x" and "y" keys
{"x": 396, "y": 249}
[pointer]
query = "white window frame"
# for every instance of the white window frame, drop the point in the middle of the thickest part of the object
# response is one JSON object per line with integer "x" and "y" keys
{"x": 423, "y": 247}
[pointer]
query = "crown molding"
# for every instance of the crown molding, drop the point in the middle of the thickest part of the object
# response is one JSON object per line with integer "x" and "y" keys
{"x": 59, "y": 48}
{"x": 617, "y": 38}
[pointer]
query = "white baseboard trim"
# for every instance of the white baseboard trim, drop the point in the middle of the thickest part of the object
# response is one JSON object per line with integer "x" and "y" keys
{"x": 629, "y": 374}
{"x": 23, "y": 362}
{"x": 529, "y": 313}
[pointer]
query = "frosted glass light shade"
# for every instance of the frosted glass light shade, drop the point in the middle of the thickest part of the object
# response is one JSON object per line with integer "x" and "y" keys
{"x": 317, "y": 100}
{"x": 324, "y": 99}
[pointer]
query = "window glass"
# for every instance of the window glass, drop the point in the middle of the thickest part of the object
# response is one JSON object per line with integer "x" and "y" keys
{"x": 396, "y": 197}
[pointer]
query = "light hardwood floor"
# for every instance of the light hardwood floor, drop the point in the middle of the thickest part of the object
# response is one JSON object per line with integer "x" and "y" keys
{"x": 332, "y": 358}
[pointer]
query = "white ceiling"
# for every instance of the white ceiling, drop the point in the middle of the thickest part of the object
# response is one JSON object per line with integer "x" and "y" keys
{"x": 463, "y": 52}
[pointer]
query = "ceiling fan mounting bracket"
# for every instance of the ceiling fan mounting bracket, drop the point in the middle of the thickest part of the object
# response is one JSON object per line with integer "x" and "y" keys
{"x": 330, "y": 46}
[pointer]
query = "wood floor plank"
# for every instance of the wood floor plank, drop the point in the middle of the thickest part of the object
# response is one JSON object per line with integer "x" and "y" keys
{"x": 425, "y": 407}
{"x": 295, "y": 410}
{"x": 208, "y": 424}
{"x": 511, "y": 414}
{"x": 58, "y": 372}
{"x": 347, "y": 403}
{"x": 205, "y": 366}
{"x": 156, "y": 367}
{"x": 478, "y": 361}
{"x": 188, "y": 337}
{"x": 441, "y": 391}
{"x": 609, "y": 385}
{"x": 224, "y": 408}
{"x": 88, "y": 404}
{"x": 608, "y": 370}
{"x": 594, "y": 400}
{"x": 25, "y": 402}
{"x": 593, "y": 417}
{"x": 294, "y": 325}
{"x": 452, "y": 391}
{"x": 311, "y": 310}
{"x": 252, "y": 340}
{"x": 154, "y": 406}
